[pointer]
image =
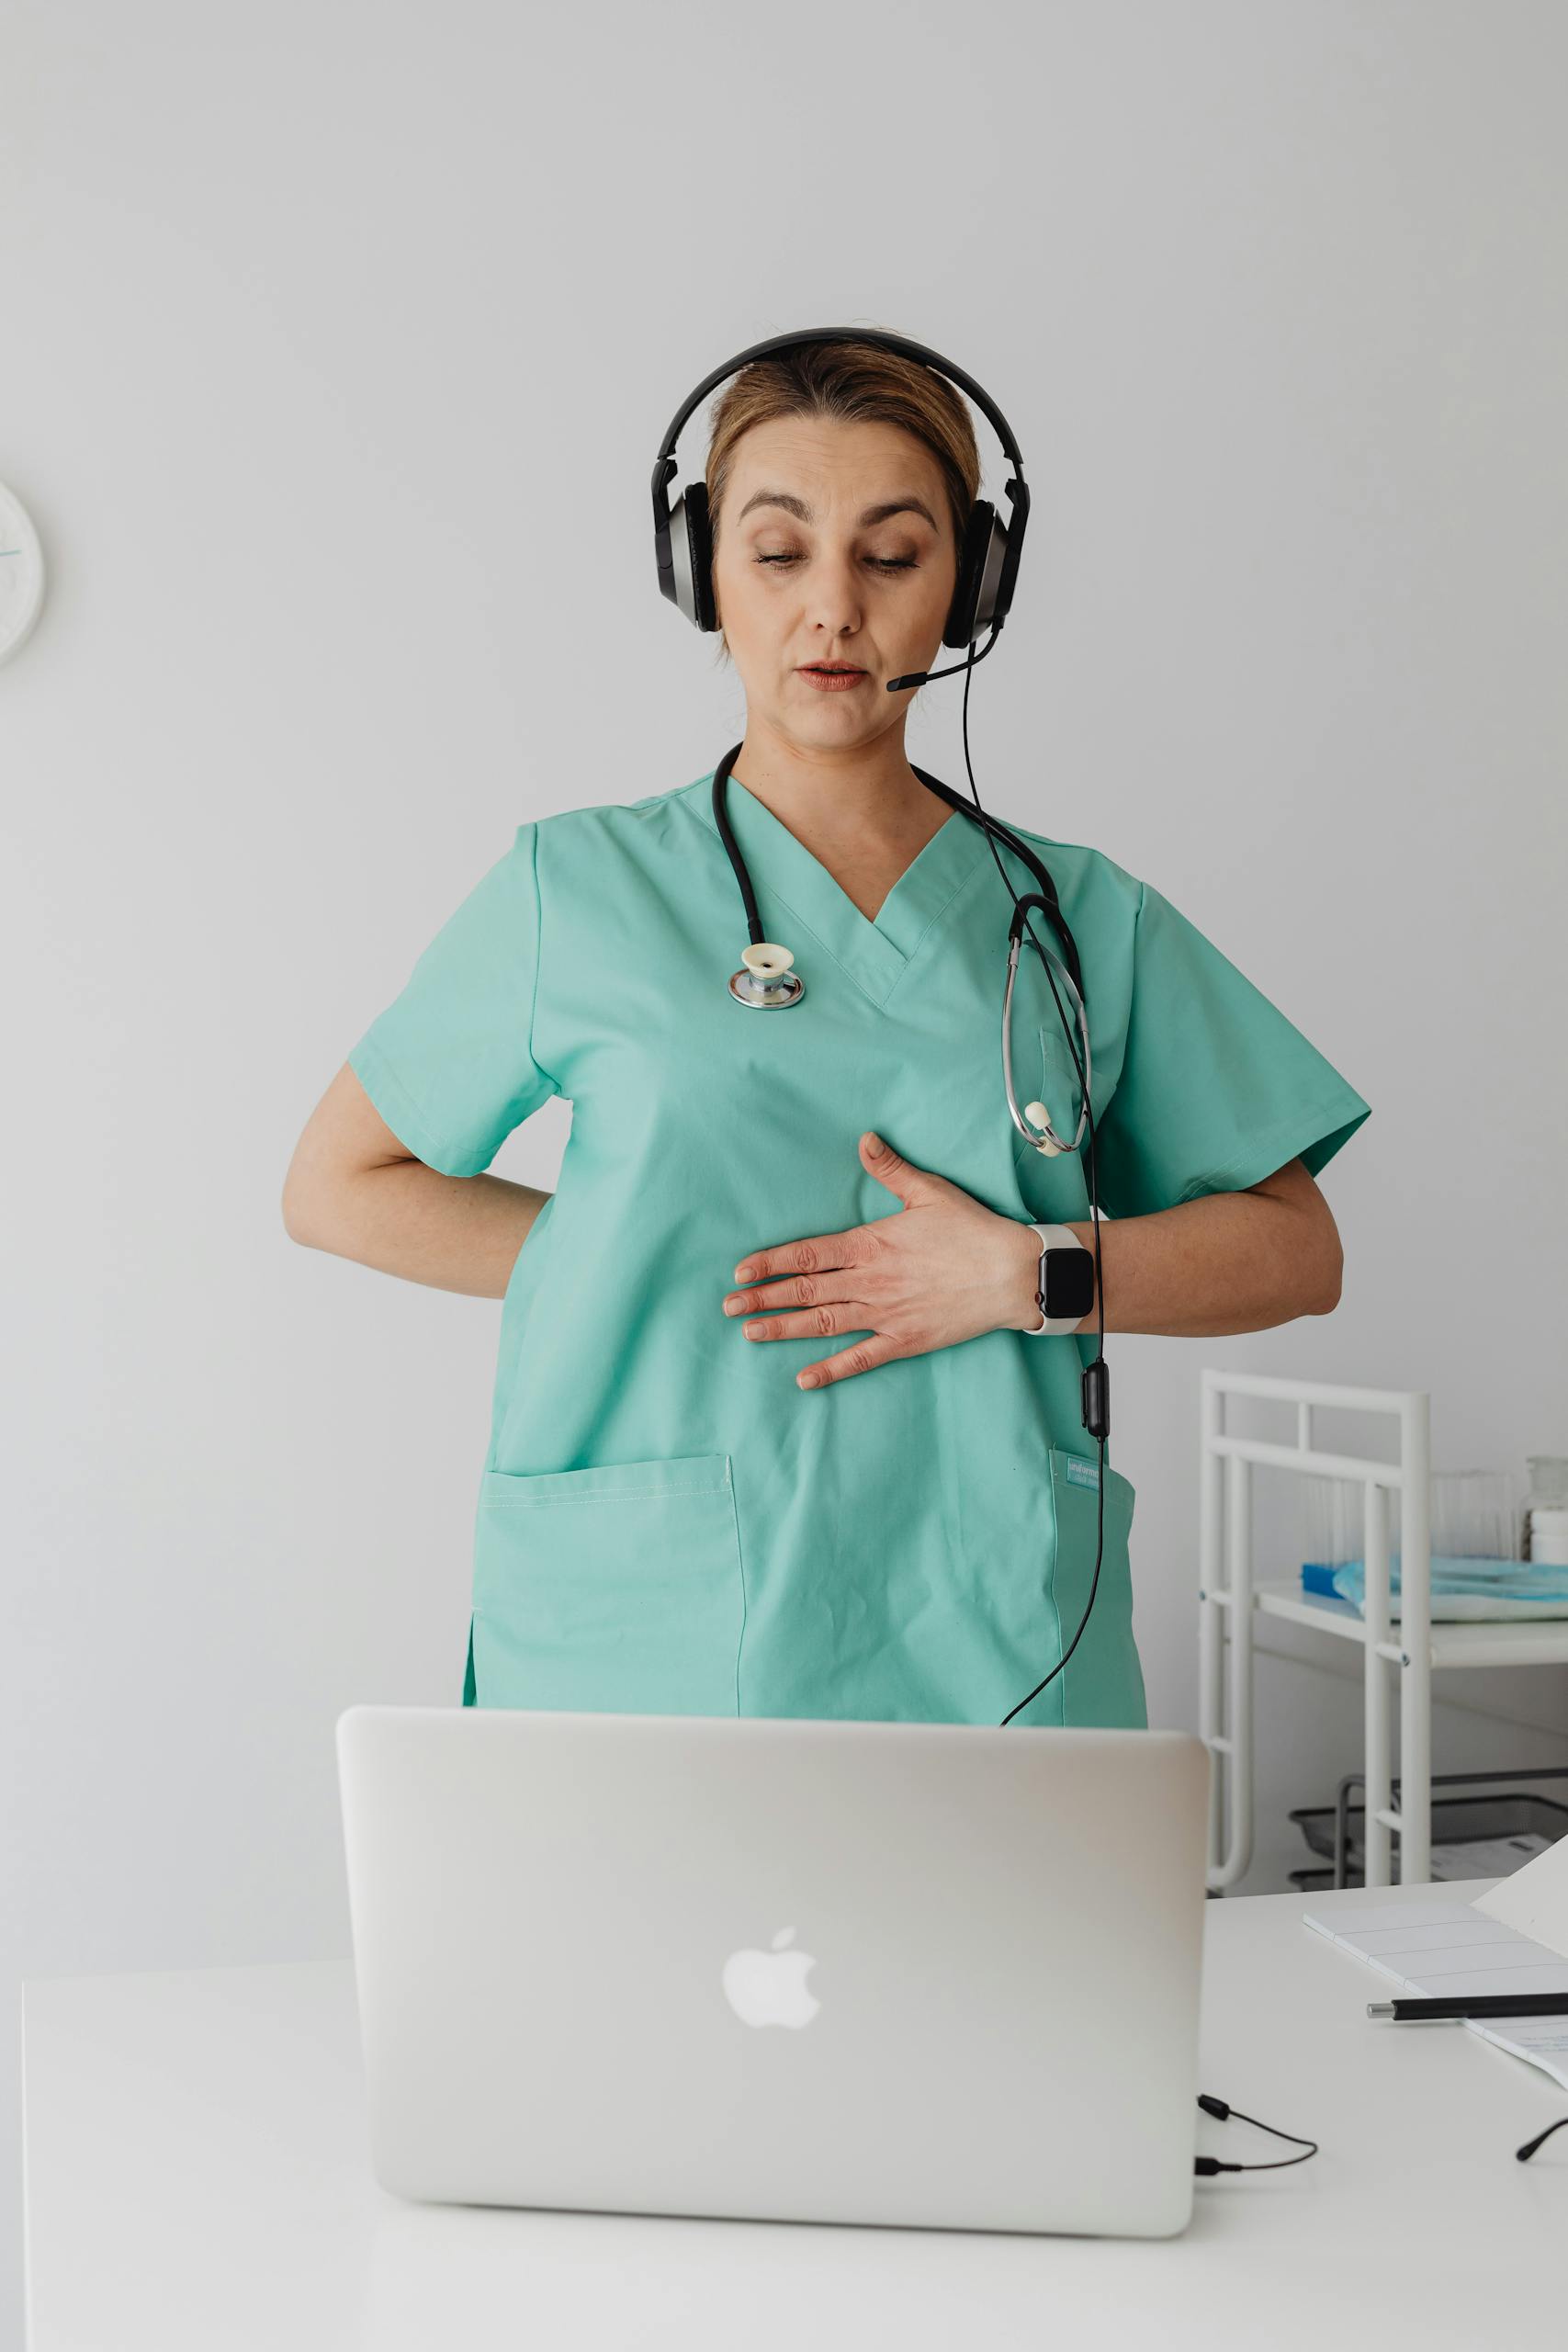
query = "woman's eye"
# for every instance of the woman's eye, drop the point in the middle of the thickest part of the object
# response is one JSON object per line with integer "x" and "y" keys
{"x": 879, "y": 563}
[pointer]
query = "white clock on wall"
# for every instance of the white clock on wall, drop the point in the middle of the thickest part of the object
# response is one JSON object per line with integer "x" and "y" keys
{"x": 21, "y": 574}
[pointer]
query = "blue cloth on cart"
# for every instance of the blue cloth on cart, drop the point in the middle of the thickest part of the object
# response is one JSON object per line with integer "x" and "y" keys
{"x": 1460, "y": 1587}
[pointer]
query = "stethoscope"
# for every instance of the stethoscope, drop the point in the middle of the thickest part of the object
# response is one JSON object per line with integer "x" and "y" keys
{"x": 767, "y": 981}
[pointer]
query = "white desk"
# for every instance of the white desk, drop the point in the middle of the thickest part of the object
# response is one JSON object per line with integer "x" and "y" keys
{"x": 196, "y": 2176}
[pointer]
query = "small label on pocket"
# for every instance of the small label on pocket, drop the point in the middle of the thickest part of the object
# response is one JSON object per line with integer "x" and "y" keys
{"x": 1082, "y": 1473}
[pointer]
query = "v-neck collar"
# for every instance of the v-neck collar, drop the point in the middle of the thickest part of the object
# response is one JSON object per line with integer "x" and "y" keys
{"x": 875, "y": 954}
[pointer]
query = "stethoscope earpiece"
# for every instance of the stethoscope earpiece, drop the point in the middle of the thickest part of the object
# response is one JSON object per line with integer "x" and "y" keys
{"x": 1047, "y": 1143}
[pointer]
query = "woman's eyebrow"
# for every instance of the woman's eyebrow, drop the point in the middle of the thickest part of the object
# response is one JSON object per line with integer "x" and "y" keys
{"x": 798, "y": 507}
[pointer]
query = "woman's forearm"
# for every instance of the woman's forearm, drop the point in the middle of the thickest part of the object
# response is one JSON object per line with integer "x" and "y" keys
{"x": 1230, "y": 1262}
{"x": 460, "y": 1233}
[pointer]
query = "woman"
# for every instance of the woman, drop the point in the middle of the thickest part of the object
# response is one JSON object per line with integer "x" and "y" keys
{"x": 768, "y": 1435}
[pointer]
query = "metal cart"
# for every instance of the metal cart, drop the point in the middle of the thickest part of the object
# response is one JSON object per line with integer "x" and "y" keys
{"x": 1229, "y": 1597}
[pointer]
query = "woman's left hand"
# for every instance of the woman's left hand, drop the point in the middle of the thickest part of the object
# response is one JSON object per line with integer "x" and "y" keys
{"x": 946, "y": 1270}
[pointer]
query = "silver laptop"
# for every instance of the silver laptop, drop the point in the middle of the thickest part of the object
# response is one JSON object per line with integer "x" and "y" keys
{"x": 938, "y": 1974}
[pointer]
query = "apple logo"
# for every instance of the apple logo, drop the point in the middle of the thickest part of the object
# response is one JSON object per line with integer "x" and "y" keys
{"x": 769, "y": 1987}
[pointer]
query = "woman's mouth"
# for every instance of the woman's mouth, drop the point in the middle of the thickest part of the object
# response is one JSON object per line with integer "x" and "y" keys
{"x": 832, "y": 678}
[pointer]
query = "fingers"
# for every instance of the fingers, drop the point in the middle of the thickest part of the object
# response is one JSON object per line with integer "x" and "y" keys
{"x": 862, "y": 1357}
{"x": 825, "y": 1320}
{"x": 824, "y": 1289}
{"x": 875, "y": 1348}
{"x": 819, "y": 1253}
{"x": 807, "y": 1277}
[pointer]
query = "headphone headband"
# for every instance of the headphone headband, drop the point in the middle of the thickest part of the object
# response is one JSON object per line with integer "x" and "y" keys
{"x": 896, "y": 343}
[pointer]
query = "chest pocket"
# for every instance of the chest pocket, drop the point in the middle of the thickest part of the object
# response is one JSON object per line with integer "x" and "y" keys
{"x": 616, "y": 1589}
{"x": 1043, "y": 1070}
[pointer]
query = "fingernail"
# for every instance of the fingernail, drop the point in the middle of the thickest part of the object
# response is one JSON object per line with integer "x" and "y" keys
{"x": 742, "y": 1273}
{"x": 874, "y": 1145}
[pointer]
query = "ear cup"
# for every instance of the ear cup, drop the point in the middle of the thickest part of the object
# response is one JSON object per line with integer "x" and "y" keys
{"x": 964, "y": 617}
{"x": 691, "y": 558}
{"x": 699, "y": 537}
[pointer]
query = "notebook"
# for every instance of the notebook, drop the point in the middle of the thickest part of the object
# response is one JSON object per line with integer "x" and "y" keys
{"x": 1514, "y": 1938}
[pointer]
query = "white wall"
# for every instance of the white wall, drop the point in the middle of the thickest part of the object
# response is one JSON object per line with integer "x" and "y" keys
{"x": 338, "y": 344}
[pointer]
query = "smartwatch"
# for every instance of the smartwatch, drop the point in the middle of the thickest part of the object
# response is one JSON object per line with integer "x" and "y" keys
{"x": 1065, "y": 1290}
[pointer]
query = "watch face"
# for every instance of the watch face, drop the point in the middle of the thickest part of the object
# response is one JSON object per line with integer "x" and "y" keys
{"x": 1069, "y": 1283}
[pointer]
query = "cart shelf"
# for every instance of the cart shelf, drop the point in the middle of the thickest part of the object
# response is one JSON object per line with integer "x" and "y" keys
{"x": 1400, "y": 1654}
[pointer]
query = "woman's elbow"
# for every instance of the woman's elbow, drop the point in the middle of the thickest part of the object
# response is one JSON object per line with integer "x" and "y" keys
{"x": 1330, "y": 1263}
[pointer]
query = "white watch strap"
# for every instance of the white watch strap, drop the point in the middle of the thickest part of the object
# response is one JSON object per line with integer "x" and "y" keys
{"x": 1052, "y": 1236}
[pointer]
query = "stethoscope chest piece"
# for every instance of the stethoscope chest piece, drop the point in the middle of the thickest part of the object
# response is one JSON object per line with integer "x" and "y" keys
{"x": 766, "y": 982}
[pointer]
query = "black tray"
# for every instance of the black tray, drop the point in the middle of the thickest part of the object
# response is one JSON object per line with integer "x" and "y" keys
{"x": 1455, "y": 1821}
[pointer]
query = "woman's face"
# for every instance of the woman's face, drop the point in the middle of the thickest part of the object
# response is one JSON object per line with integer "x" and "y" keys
{"x": 835, "y": 545}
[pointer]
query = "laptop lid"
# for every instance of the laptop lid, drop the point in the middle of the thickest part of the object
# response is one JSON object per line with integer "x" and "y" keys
{"x": 935, "y": 1974}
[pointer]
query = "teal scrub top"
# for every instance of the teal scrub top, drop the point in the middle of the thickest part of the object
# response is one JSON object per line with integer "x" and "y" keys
{"x": 666, "y": 1524}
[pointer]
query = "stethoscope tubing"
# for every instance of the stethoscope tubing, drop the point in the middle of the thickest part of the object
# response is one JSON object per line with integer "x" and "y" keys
{"x": 1048, "y": 1141}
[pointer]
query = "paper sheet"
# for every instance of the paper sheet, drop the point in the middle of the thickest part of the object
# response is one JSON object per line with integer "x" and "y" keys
{"x": 1445, "y": 1947}
{"x": 1538, "y": 2041}
{"x": 1534, "y": 1899}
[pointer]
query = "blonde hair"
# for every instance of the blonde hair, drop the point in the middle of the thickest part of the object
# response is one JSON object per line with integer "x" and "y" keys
{"x": 859, "y": 383}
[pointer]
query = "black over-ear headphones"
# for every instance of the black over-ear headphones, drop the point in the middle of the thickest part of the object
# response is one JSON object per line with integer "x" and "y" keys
{"x": 987, "y": 558}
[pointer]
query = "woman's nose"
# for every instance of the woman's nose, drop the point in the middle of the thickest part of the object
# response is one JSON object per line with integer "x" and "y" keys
{"x": 835, "y": 596}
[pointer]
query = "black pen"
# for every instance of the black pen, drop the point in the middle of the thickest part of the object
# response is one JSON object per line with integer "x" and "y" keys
{"x": 1475, "y": 2005}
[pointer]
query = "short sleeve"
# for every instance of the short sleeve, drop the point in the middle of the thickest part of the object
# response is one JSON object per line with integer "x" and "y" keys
{"x": 449, "y": 1064}
{"x": 1217, "y": 1089}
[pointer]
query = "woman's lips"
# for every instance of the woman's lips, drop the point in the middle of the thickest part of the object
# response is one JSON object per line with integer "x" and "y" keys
{"x": 834, "y": 681}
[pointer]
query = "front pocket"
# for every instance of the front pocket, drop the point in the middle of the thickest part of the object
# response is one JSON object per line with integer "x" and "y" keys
{"x": 1102, "y": 1682}
{"x": 613, "y": 1589}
